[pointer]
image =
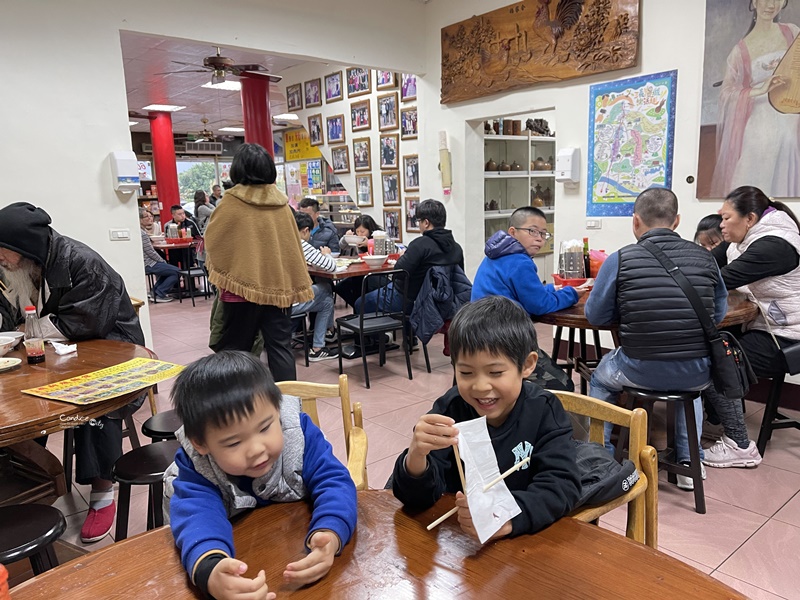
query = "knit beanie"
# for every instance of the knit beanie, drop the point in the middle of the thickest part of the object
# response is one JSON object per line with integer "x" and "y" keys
{"x": 25, "y": 229}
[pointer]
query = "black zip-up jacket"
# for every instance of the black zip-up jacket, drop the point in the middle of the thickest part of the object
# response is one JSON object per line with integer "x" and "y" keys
{"x": 546, "y": 489}
{"x": 433, "y": 247}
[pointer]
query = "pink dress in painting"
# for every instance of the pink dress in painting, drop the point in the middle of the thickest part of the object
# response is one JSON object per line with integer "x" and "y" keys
{"x": 756, "y": 144}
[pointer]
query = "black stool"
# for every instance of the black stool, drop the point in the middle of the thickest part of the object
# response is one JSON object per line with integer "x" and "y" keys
{"x": 772, "y": 419}
{"x": 162, "y": 426}
{"x": 571, "y": 362}
{"x": 143, "y": 466}
{"x": 29, "y": 531}
{"x": 302, "y": 318}
{"x": 667, "y": 458}
{"x": 188, "y": 276}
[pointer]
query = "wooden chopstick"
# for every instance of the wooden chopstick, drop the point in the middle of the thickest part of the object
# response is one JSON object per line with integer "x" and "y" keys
{"x": 454, "y": 510}
{"x": 516, "y": 467}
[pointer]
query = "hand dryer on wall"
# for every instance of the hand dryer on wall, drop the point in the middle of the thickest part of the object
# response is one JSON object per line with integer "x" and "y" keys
{"x": 124, "y": 171}
{"x": 568, "y": 164}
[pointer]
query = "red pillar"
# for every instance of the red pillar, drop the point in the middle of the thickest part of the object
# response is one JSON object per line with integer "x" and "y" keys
{"x": 164, "y": 162}
{"x": 255, "y": 110}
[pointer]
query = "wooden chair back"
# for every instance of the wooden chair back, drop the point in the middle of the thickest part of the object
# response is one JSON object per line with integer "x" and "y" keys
{"x": 354, "y": 435}
{"x": 642, "y": 498}
{"x": 137, "y": 304}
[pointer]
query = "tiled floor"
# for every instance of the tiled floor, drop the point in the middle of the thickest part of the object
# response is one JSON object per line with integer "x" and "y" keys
{"x": 749, "y": 538}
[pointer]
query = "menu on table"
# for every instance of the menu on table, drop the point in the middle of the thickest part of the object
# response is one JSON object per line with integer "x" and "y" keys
{"x": 111, "y": 382}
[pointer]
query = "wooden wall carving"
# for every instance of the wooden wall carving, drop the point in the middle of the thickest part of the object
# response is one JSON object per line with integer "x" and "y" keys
{"x": 537, "y": 41}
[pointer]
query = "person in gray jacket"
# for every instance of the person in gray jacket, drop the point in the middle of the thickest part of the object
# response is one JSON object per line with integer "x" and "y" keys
{"x": 324, "y": 234}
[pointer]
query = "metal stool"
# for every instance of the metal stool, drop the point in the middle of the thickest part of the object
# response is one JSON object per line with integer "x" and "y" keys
{"x": 29, "y": 531}
{"x": 143, "y": 466}
{"x": 162, "y": 426}
{"x": 772, "y": 419}
{"x": 667, "y": 458}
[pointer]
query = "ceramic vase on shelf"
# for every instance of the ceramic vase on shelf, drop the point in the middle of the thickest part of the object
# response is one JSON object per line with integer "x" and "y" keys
{"x": 493, "y": 204}
{"x": 515, "y": 166}
{"x": 490, "y": 165}
{"x": 504, "y": 166}
{"x": 538, "y": 164}
{"x": 548, "y": 166}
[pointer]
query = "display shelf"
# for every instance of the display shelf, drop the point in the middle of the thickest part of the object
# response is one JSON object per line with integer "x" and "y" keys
{"x": 342, "y": 213}
{"x": 517, "y": 174}
{"x": 518, "y": 138}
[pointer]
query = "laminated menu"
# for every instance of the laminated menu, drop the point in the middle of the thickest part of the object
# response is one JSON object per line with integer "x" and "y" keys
{"x": 111, "y": 382}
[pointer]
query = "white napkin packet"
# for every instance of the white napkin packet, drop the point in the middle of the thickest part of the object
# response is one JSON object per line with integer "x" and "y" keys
{"x": 62, "y": 349}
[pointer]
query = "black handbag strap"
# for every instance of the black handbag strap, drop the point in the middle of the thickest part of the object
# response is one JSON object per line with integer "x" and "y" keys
{"x": 705, "y": 321}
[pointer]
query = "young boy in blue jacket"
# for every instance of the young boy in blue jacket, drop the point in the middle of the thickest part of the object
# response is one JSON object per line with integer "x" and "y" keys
{"x": 491, "y": 344}
{"x": 244, "y": 445}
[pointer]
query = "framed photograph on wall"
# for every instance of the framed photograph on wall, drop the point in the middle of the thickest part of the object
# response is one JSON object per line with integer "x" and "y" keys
{"x": 387, "y": 111}
{"x": 393, "y": 224}
{"x": 408, "y": 123}
{"x": 313, "y": 93}
{"x": 412, "y": 223}
{"x": 390, "y": 184}
{"x": 358, "y": 81}
{"x": 411, "y": 172}
{"x": 294, "y": 97}
{"x": 359, "y": 115}
{"x": 364, "y": 189}
{"x": 340, "y": 156}
{"x": 408, "y": 89}
{"x": 361, "y": 155}
{"x": 315, "y": 134}
{"x": 389, "y": 151}
{"x": 385, "y": 80}
{"x": 333, "y": 87}
{"x": 335, "y": 129}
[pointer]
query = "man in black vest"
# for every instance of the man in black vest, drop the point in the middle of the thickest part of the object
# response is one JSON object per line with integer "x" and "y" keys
{"x": 662, "y": 344}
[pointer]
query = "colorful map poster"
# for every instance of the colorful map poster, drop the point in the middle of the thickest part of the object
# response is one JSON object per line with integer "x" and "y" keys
{"x": 121, "y": 379}
{"x": 631, "y": 132}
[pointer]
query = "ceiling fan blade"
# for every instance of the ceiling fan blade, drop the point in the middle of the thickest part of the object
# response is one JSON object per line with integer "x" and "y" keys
{"x": 178, "y": 72}
{"x": 260, "y": 75}
{"x": 178, "y": 62}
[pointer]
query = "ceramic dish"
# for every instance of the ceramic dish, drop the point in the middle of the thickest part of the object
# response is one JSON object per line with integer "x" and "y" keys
{"x": 6, "y": 344}
{"x": 17, "y": 335}
{"x": 6, "y": 364}
{"x": 375, "y": 261}
{"x": 354, "y": 240}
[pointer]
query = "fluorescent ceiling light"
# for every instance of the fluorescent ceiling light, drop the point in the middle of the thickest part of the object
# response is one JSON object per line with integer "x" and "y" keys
{"x": 286, "y": 117}
{"x": 232, "y": 86}
{"x": 130, "y": 123}
{"x": 237, "y": 129}
{"x": 164, "y": 107}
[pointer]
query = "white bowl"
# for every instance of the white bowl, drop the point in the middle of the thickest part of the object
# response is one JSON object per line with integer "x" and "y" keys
{"x": 6, "y": 344}
{"x": 157, "y": 238}
{"x": 17, "y": 335}
{"x": 376, "y": 260}
{"x": 354, "y": 240}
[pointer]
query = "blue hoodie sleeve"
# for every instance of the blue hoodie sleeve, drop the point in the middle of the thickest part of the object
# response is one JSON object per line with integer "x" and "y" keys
{"x": 601, "y": 306}
{"x": 536, "y": 298}
{"x": 197, "y": 516}
{"x": 333, "y": 492}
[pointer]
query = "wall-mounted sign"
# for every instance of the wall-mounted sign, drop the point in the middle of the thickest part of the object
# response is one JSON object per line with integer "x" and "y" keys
{"x": 297, "y": 146}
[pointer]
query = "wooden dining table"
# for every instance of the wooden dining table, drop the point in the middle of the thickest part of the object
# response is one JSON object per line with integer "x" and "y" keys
{"x": 392, "y": 556}
{"x": 24, "y": 417}
{"x": 358, "y": 269}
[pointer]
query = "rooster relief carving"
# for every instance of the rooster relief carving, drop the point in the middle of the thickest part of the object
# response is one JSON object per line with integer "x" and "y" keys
{"x": 568, "y": 12}
{"x": 493, "y": 61}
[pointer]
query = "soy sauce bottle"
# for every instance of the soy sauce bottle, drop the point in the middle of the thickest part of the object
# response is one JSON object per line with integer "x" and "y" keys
{"x": 34, "y": 340}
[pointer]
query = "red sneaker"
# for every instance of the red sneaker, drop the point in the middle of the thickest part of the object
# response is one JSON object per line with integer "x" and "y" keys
{"x": 98, "y": 524}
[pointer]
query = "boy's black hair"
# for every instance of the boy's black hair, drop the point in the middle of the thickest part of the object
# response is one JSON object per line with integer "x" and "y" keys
{"x": 219, "y": 389}
{"x": 434, "y": 211}
{"x": 312, "y": 202}
{"x": 496, "y": 325}
{"x": 303, "y": 220}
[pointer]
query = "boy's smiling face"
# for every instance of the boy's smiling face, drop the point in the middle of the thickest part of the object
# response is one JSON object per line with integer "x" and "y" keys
{"x": 491, "y": 383}
{"x": 246, "y": 447}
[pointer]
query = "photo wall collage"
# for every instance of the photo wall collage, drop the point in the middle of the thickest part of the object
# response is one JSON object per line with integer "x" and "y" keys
{"x": 392, "y": 115}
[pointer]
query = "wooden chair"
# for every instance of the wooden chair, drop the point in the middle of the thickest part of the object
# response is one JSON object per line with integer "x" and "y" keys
{"x": 137, "y": 304}
{"x": 642, "y": 498}
{"x": 354, "y": 435}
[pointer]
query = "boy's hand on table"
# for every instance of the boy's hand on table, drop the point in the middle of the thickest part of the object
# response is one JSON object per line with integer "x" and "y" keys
{"x": 465, "y": 520}
{"x": 324, "y": 546}
{"x": 226, "y": 582}
{"x": 432, "y": 432}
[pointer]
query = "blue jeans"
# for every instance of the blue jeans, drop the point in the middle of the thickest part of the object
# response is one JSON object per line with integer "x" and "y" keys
{"x": 607, "y": 382}
{"x": 167, "y": 275}
{"x": 389, "y": 300}
{"x": 322, "y": 304}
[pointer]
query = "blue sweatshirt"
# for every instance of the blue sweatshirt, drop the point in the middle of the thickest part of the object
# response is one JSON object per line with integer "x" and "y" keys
{"x": 508, "y": 271}
{"x": 199, "y": 519}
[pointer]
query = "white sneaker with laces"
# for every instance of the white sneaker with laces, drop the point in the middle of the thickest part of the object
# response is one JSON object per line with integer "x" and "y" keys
{"x": 687, "y": 483}
{"x": 726, "y": 453}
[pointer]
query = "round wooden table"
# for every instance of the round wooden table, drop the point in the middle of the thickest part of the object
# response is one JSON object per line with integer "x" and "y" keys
{"x": 392, "y": 556}
{"x": 24, "y": 417}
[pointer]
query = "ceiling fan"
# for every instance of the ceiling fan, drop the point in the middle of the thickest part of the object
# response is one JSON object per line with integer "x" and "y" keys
{"x": 201, "y": 136}
{"x": 220, "y": 66}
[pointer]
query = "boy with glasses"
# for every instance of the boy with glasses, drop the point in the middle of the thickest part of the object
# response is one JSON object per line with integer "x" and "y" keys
{"x": 508, "y": 270}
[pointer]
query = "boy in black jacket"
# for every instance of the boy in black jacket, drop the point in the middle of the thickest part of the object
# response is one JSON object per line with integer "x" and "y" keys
{"x": 490, "y": 346}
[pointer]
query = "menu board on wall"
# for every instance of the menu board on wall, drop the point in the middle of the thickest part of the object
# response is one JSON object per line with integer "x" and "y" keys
{"x": 297, "y": 146}
{"x": 315, "y": 177}
{"x": 293, "y": 187}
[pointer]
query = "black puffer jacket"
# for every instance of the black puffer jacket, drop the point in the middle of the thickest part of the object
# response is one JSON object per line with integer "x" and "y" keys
{"x": 432, "y": 248}
{"x": 657, "y": 321}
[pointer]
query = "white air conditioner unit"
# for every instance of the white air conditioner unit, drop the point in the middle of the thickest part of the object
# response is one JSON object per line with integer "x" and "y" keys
{"x": 179, "y": 149}
{"x": 147, "y": 148}
{"x": 203, "y": 148}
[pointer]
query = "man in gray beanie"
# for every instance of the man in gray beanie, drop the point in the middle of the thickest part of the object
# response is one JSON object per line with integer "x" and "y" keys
{"x": 79, "y": 297}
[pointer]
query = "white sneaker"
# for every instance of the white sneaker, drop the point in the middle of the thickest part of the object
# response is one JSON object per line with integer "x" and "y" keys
{"x": 687, "y": 483}
{"x": 726, "y": 453}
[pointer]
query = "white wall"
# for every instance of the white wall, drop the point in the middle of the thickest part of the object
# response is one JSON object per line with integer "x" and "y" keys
{"x": 69, "y": 110}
